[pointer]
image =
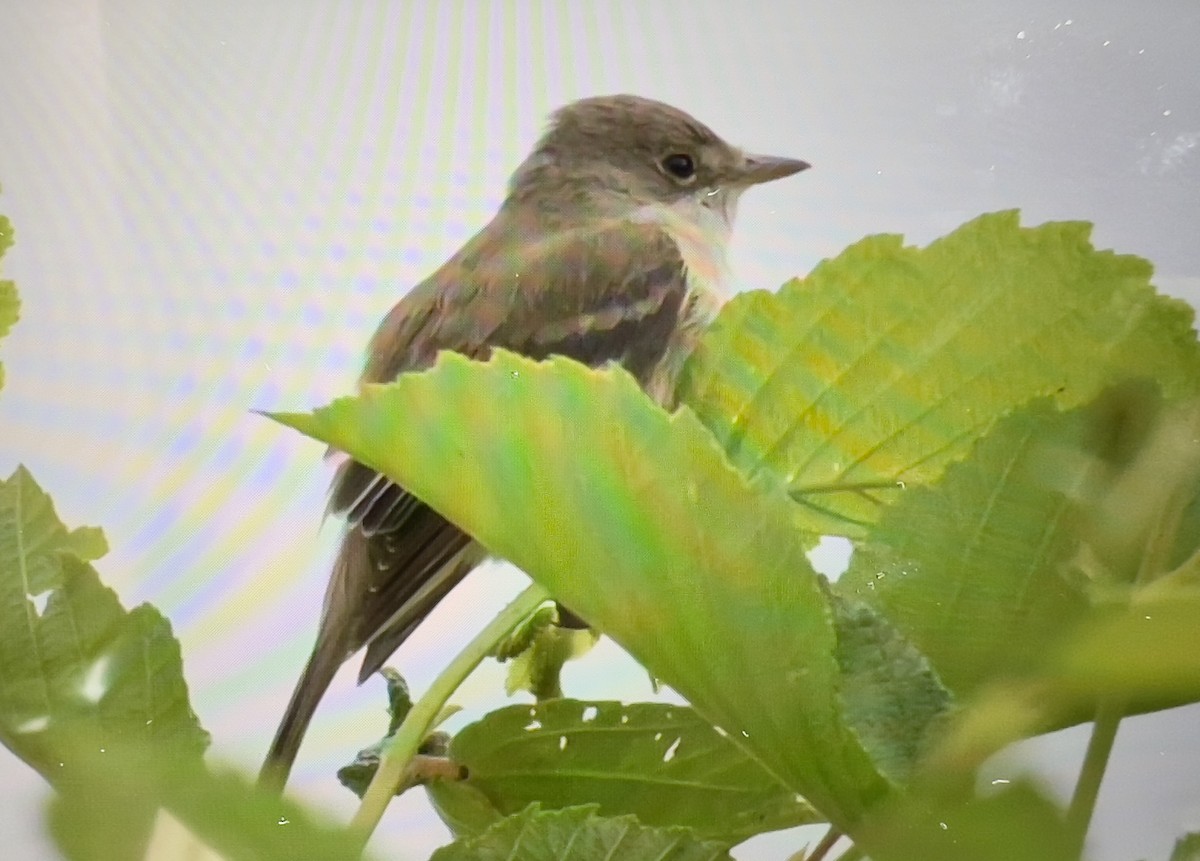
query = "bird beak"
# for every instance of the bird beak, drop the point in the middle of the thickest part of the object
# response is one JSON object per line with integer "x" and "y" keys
{"x": 757, "y": 169}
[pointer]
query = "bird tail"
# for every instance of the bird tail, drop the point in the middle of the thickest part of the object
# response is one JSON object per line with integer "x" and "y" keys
{"x": 313, "y": 682}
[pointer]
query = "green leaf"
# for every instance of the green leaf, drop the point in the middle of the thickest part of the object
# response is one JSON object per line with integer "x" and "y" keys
{"x": 522, "y": 637}
{"x": 579, "y": 834}
{"x": 890, "y": 694}
{"x": 118, "y": 803}
{"x": 972, "y": 568}
{"x": 1187, "y": 848}
{"x": 635, "y": 520}
{"x": 882, "y": 366}
{"x": 6, "y": 234}
{"x": 1137, "y": 515}
{"x": 988, "y": 569}
{"x": 661, "y": 763}
{"x": 1144, "y": 655}
{"x": 1147, "y": 653}
{"x": 10, "y": 305}
{"x": 465, "y": 810}
{"x": 81, "y": 663}
{"x": 930, "y": 826}
{"x": 93, "y": 697}
{"x": 539, "y": 650}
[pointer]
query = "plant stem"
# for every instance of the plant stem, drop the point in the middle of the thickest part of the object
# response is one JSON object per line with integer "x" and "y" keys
{"x": 1095, "y": 761}
{"x": 420, "y": 719}
{"x": 822, "y": 848}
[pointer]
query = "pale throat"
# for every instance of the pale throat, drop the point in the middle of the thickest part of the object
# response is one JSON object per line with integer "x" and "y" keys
{"x": 701, "y": 225}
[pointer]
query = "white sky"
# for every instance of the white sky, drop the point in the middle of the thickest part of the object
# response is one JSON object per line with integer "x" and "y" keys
{"x": 215, "y": 202}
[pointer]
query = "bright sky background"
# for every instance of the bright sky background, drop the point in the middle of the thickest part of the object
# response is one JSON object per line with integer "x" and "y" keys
{"x": 216, "y": 201}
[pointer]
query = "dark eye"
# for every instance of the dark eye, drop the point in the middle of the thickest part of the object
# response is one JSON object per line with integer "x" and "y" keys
{"x": 680, "y": 166}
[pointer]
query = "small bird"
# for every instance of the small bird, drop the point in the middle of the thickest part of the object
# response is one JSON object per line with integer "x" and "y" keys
{"x": 610, "y": 246}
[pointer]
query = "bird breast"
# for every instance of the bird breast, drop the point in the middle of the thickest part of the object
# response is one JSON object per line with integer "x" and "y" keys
{"x": 701, "y": 227}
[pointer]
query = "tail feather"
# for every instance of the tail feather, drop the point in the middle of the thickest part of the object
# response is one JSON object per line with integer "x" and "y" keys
{"x": 382, "y": 586}
{"x": 313, "y": 682}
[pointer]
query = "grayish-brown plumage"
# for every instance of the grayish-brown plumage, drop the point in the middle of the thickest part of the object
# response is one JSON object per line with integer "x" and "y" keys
{"x": 610, "y": 247}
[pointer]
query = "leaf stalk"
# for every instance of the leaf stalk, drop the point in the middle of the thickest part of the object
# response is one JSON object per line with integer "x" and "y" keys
{"x": 421, "y": 719}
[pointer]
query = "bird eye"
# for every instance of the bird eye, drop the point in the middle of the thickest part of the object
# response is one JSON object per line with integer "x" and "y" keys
{"x": 680, "y": 166}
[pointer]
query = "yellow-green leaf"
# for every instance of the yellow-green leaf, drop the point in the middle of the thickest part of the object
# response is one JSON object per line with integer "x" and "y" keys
{"x": 635, "y": 520}
{"x": 884, "y": 365}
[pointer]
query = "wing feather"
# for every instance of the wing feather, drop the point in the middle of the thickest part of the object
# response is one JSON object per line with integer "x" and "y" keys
{"x": 612, "y": 292}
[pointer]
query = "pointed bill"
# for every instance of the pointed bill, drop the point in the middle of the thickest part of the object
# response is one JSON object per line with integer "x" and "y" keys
{"x": 758, "y": 169}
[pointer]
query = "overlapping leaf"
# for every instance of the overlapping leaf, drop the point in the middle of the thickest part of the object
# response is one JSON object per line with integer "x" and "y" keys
{"x": 891, "y": 697}
{"x": 884, "y": 364}
{"x": 1141, "y": 655}
{"x": 579, "y": 834}
{"x": 972, "y": 568}
{"x": 636, "y": 521}
{"x": 986, "y": 570}
{"x": 93, "y": 697}
{"x": 661, "y": 763}
{"x": 80, "y": 662}
{"x": 1146, "y": 652}
{"x": 929, "y": 824}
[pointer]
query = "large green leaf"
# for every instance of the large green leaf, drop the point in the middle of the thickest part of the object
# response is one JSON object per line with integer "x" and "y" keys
{"x": 1140, "y": 655}
{"x": 884, "y": 364}
{"x": 661, "y": 763}
{"x": 1145, "y": 653}
{"x": 635, "y": 520}
{"x": 972, "y": 568}
{"x": 579, "y": 834}
{"x": 80, "y": 662}
{"x": 1052, "y": 511}
{"x": 930, "y": 824}
{"x": 93, "y": 697}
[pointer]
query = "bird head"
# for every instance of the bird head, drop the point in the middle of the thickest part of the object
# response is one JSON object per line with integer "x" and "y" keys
{"x": 612, "y": 150}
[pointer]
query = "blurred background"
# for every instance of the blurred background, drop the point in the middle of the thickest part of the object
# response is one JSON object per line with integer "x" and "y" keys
{"x": 215, "y": 202}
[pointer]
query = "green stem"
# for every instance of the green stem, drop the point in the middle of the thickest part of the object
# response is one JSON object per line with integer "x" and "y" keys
{"x": 420, "y": 719}
{"x": 1095, "y": 761}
